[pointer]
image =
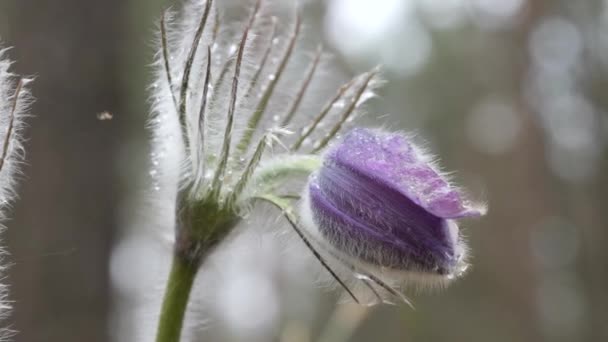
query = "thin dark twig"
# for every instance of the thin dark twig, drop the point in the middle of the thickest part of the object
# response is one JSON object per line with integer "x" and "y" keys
{"x": 188, "y": 69}
{"x": 315, "y": 122}
{"x": 11, "y": 124}
{"x": 389, "y": 288}
{"x": 314, "y": 251}
{"x": 166, "y": 57}
{"x": 371, "y": 287}
{"x": 201, "y": 114}
{"x": 255, "y": 118}
{"x": 372, "y": 277}
{"x": 219, "y": 174}
{"x": 216, "y": 25}
{"x": 258, "y": 72}
{"x": 346, "y": 113}
{"x": 220, "y": 79}
{"x": 253, "y": 163}
{"x": 320, "y": 258}
{"x": 300, "y": 95}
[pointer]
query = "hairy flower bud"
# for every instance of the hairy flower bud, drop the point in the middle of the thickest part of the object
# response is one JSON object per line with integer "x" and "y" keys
{"x": 377, "y": 199}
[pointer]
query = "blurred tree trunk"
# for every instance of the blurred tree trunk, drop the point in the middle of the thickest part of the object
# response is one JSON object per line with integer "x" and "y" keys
{"x": 65, "y": 219}
{"x": 522, "y": 201}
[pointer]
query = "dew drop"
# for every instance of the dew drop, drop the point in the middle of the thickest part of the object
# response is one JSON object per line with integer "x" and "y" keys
{"x": 276, "y": 41}
{"x": 275, "y": 118}
{"x": 339, "y": 104}
{"x": 361, "y": 276}
{"x": 232, "y": 49}
{"x": 272, "y": 77}
{"x": 368, "y": 94}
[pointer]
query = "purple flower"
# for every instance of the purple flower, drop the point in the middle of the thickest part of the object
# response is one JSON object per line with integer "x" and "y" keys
{"x": 378, "y": 201}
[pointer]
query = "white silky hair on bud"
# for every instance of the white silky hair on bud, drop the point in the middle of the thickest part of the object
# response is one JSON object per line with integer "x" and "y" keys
{"x": 15, "y": 100}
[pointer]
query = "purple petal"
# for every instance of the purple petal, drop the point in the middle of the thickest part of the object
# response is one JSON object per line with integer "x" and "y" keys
{"x": 378, "y": 200}
{"x": 375, "y": 223}
{"x": 391, "y": 159}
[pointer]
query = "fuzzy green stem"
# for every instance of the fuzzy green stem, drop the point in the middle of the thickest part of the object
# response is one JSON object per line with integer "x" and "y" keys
{"x": 178, "y": 289}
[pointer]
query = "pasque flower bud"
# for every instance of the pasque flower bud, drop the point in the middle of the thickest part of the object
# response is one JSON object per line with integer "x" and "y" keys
{"x": 378, "y": 201}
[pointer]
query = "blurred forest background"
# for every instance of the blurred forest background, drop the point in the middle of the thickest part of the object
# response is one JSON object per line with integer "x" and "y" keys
{"x": 513, "y": 94}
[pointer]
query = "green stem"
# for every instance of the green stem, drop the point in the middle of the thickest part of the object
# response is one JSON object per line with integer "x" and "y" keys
{"x": 175, "y": 301}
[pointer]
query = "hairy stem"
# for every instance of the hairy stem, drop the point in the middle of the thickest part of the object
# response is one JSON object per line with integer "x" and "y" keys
{"x": 175, "y": 301}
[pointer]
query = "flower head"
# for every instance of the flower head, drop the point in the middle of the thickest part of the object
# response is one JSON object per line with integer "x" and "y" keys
{"x": 380, "y": 203}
